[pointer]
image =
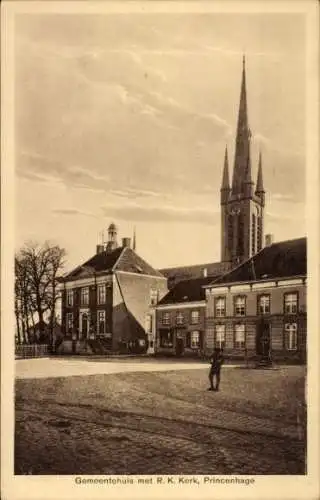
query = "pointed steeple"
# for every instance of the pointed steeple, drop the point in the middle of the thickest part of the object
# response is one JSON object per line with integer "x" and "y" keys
{"x": 242, "y": 161}
{"x": 259, "y": 187}
{"x": 225, "y": 176}
{"x": 134, "y": 239}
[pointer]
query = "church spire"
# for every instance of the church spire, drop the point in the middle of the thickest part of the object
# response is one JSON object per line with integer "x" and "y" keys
{"x": 134, "y": 239}
{"x": 259, "y": 187}
{"x": 225, "y": 185}
{"x": 225, "y": 177}
{"x": 242, "y": 161}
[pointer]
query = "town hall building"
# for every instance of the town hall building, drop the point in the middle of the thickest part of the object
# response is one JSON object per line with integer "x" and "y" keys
{"x": 107, "y": 302}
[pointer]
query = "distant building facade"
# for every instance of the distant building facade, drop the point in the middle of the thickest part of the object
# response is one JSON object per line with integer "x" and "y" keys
{"x": 107, "y": 303}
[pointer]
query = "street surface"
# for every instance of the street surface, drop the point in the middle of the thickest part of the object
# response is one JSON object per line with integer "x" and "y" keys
{"x": 159, "y": 421}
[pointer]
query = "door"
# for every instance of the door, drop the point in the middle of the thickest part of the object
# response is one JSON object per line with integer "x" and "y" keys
{"x": 179, "y": 346}
{"x": 85, "y": 325}
{"x": 263, "y": 341}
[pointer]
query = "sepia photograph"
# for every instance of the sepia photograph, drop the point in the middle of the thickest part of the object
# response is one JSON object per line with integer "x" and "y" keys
{"x": 160, "y": 264}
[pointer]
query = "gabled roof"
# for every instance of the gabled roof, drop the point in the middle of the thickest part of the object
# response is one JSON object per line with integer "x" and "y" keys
{"x": 120, "y": 259}
{"x": 129, "y": 261}
{"x": 186, "y": 291}
{"x": 103, "y": 261}
{"x": 195, "y": 271}
{"x": 280, "y": 260}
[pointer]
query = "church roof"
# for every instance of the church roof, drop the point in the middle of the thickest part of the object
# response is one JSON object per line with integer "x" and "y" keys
{"x": 280, "y": 260}
{"x": 120, "y": 259}
{"x": 186, "y": 291}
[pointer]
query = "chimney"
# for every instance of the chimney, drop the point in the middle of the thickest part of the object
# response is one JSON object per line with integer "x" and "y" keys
{"x": 205, "y": 272}
{"x": 100, "y": 249}
{"x": 268, "y": 240}
{"x": 126, "y": 242}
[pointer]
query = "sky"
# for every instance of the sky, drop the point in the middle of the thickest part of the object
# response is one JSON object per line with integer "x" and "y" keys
{"x": 124, "y": 118}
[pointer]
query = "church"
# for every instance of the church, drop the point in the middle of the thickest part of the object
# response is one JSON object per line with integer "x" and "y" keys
{"x": 253, "y": 302}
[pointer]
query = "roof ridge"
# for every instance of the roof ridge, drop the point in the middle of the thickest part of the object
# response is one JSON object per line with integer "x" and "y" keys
{"x": 118, "y": 259}
{"x": 191, "y": 265}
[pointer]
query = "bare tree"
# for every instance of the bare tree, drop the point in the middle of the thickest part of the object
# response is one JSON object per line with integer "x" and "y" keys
{"x": 37, "y": 270}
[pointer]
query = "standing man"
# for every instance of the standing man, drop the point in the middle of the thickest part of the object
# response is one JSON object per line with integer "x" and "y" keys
{"x": 216, "y": 361}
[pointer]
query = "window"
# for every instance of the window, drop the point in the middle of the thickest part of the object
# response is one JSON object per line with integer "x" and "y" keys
{"x": 220, "y": 336}
{"x": 148, "y": 323}
{"x": 220, "y": 307}
{"x": 85, "y": 296}
{"x": 253, "y": 234}
{"x": 166, "y": 338}
{"x": 179, "y": 318}
{"x": 239, "y": 337}
{"x": 195, "y": 340}
{"x": 166, "y": 319}
{"x": 195, "y": 316}
{"x": 153, "y": 297}
{"x": 264, "y": 304}
{"x": 69, "y": 323}
{"x": 101, "y": 322}
{"x": 239, "y": 306}
{"x": 291, "y": 330}
{"x": 290, "y": 303}
{"x": 102, "y": 294}
{"x": 69, "y": 298}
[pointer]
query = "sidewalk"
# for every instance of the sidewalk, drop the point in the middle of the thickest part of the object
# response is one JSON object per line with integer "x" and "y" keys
{"x": 53, "y": 367}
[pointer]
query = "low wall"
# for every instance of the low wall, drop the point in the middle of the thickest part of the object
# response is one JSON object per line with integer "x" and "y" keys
{"x": 31, "y": 350}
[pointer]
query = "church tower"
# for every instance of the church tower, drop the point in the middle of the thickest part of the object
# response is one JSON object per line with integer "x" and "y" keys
{"x": 242, "y": 206}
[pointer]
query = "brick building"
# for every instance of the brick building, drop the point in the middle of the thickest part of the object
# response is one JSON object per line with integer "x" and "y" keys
{"x": 258, "y": 310}
{"x": 107, "y": 301}
{"x": 180, "y": 318}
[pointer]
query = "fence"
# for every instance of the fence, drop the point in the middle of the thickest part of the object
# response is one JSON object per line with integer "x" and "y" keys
{"x": 31, "y": 350}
